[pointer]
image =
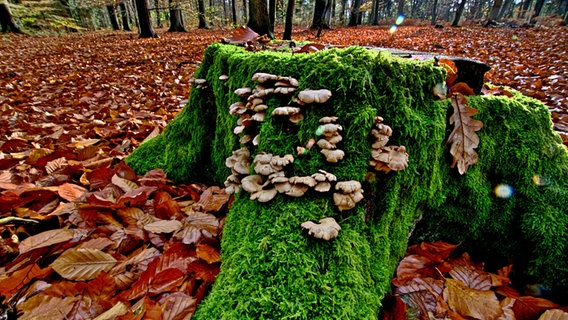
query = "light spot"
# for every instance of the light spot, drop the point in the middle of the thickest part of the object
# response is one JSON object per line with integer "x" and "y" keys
{"x": 393, "y": 29}
{"x": 541, "y": 180}
{"x": 320, "y": 130}
{"x": 504, "y": 191}
{"x": 399, "y": 20}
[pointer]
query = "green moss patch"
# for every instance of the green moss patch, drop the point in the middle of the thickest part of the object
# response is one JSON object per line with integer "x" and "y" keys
{"x": 272, "y": 269}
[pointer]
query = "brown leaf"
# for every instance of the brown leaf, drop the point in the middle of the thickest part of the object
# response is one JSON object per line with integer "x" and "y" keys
{"x": 45, "y": 239}
{"x": 479, "y": 304}
{"x": 9, "y": 284}
{"x": 179, "y": 305}
{"x": 463, "y": 88}
{"x": 213, "y": 199}
{"x": 71, "y": 192}
{"x": 124, "y": 184}
{"x": 530, "y": 308}
{"x": 81, "y": 264}
{"x": 47, "y": 307}
{"x": 393, "y": 308}
{"x": 163, "y": 226}
{"x": 451, "y": 70}
{"x": 463, "y": 138}
{"x": 422, "y": 294}
{"x": 472, "y": 277}
{"x": 554, "y": 314}
{"x": 208, "y": 253}
{"x": 242, "y": 35}
{"x": 310, "y": 48}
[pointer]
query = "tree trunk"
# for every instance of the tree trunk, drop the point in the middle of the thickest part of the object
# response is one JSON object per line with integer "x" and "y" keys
{"x": 7, "y": 21}
{"x": 354, "y": 18}
{"x": 258, "y": 18}
{"x": 537, "y": 8}
{"x": 272, "y": 14}
{"x": 459, "y": 12}
{"x": 157, "y": 12}
{"x": 245, "y": 16}
{"x": 494, "y": 13}
{"x": 434, "y": 13}
{"x": 176, "y": 22}
{"x": 289, "y": 20}
{"x": 319, "y": 20}
{"x": 145, "y": 26}
{"x": 401, "y": 7}
{"x": 201, "y": 13}
{"x": 125, "y": 17}
{"x": 113, "y": 18}
{"x": 525, "y": 8}
{"x": 506, "y": 8}
{"x": 375, "y": 12}
{"x": 234, "y": 12}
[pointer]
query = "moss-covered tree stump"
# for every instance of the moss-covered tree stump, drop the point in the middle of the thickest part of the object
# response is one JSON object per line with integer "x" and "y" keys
{"x": 271, "y": 267}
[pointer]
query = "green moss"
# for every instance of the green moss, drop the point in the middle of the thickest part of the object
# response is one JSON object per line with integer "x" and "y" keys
{"x": 273, "y": 270}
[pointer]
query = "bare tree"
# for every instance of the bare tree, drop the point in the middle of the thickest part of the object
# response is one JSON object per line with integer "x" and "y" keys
{"x": 201, "y": 13}
{"x": 176, "y": 19}
{"x": 258, "y": 18}
{"x": 125, "y": 16}
{"x": 494, "y": 13}
{"x": 113, "y": 18}
{"x": 289, "y": 20}
{"x": 145, "y": 26}
{"x": 355, "y": 11}
{"x": 459, "y": 12}
{"x": 320, "y": 9}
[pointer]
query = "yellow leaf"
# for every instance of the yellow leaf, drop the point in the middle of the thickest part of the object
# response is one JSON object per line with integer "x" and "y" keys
{"x": 479, "y": 304}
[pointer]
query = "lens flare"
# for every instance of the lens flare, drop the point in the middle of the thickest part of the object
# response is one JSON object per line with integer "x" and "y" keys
{"x": 504, "y": 191}
{"x": 541, "y": 180}
{"x": 399, "y": 19}
{"x": 393, "y": 29}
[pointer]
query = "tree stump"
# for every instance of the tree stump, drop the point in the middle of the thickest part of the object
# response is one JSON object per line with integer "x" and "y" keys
{"x": 273, "y": 269}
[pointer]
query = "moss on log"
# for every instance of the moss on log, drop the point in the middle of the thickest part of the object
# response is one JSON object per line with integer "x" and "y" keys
{"x": 271, "y": 269}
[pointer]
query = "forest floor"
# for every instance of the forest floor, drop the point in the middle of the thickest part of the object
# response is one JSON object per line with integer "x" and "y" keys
{"x": 73, "y": 106}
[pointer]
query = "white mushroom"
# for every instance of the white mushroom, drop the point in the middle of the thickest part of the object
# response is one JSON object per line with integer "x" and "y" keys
{"x": 324, "y": 144}
{"x": 264, "y": 195}
{"x": 305, "y": 180}
{"x": 297, "y": 190}
{"x": 348, "y": 186}
{"x": 243, "y": 92}
{"x": 223, "y": 77}
{"x": 314, "y": 96}
{"x": 326, "y": 229}
{"x": 284, "y": 90}
{"x": 285, "y": 111}
{"x": 296, "y": 117}
{"x": 252, "y": 183}
{"x": 332, "y": 155}
{"x": 328, "y": 119}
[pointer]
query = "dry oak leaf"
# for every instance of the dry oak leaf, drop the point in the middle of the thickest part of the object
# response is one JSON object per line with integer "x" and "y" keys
{"x": 463, "y": 138}
{"x": 326, "y": 229}
{"x": 479, "y": 304}
{"x": 80, "y": 264}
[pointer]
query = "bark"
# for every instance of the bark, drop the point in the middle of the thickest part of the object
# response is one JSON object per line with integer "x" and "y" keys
{"x": 258, "y": 18}
{"x": 125, "y": 17}
{"x": 289, "y": 20}
{"x": 538, "y": 8}
{"x": 459, "y": 12}
{"x": 157, "y": 11}
{"x": 145, "y": 26}
{"x": 375, "y": 12}
{"x": 201, "y": 13}
{"x": 176, "y": 22}
{"x": 494, "y": 14}
{"x": 354, "y": 18}
{"x": 272, "y": 14}
{"x": 7, "y": 21}
{"x": 525, "y": 9}
{"x": 434, "y": 13}
{"x": 319, "y": 20}
{"x": 401, "y": 7}
{"x": 234, "y": 12}
{"x": 113, "y": 18}
{"x": 245, "y": 10}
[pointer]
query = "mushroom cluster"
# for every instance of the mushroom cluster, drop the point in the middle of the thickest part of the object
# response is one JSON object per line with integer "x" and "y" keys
{"x": 239, "y": 163}
{"x": 386, "y": 158}
{"x": 199, "y": 83}
{"x": 350, "y": 193}
{"x": 328, "y": 144}
{"x": 253, "y": 110}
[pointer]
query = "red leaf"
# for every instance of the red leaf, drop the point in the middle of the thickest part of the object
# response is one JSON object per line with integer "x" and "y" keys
{"x": 242, "y": 35}
{"x": 530, "y": 308}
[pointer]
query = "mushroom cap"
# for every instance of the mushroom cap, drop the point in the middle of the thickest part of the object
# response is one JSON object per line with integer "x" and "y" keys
{"x": 314, "y": 96}
{"x": 323, "y": 175}
{"x": 286, "y": 82}
{"x": 328, "y": 119}
{"x": 305, "y": 180}
{"x": 343, "y": 201}
{"x": 384, "y": 129}
{"x": 237, "y": 108}
{"x": 256, "y": 139}
{"x": 259, "y": 116}
{"x": 264, "y": 195}
{"x": 329, "y": 176}
{"x": 282, "y": 187}
{"x": 252, "y": 183}
{"x": 245, "y": 139}
{"x": 260, "y": 107}
{"x": 378, "y": 119}
{"x": 332, "y": 155}
{"x": 297, "y": 190}
{"x": 324, "y": 144}
{"x": 265, "y": 169}
{"x": 348, "y": 186}
{"x": 380, "y": 142}
{"x": 260, "y": 93}
{"x": 243, "y": 92}
{"x": 323, "y": 186}
{"x": 238, "y": 129}
{"x": 329, "y": 129}
{"x": 326, "y": 229}
{"x": 241, "y": 166}
{"x": 223, "y": 77}
{"x": 300, "y": 150}
{"x": 296, "y": 117}
{"x": 263, "y": 157}
{"x": 263, "y": 77}
{"x": 398, "y": 158}
{"x": 282, "y": 161}
{"x": 285, "y": 111}
{"x": 335, "y": 139}
{"x": 251, "y": 104}
{"x": 284, "y": 90}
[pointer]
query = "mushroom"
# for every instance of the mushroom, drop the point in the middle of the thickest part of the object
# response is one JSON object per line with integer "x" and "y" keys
{"x": 223, "y": 77}
{"x": 282, "y": 161}
{"x": 251, "y": 104}
{"x": 201, "y": 83}
{"x": 256, "y": 139}
{"x": 324, "y": 144}
{"x": 328, "y": 119}
{"x": 332, "y": 155}
{"x": 259, "y": 116}
{"x": 232, "y": 184}
{"x": 330, "y": 129}
{"x": 351, "y": 193}
{"x": 297, "y": 190}
{"x": 285, "y": 111}
{"x": 314, "y": 96}
{"x": 296, "y": 117}
{"x": 253, "y": 184}
{"x": 263, "y": 77}
{"x": 264, "y": 195}
{"x": 326, "y": 229}
{"x": 260, "y": 92}
{"x": 284, "y": 90}
{"x": 280, "y": 182}
{"x": 238, "y": 162}
{"x": 237, "y": 108}
{"x": 243, "y": 92}
{"x": 305, "y": 180}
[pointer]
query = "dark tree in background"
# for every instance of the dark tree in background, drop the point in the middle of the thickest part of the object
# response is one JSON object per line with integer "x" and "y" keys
{"x": 459, "y": 13}
{"x": 320, "y": 12}
{"x": 145, "y": 26}
{"x": 125, "y": 16}
{"x": 201, "y": 12}
{"x": 176, "y": 19}
{"x": 6, "y": 19}
{"x": 355, "y": 13}
{"x": 113, "y": 18}
{"x": 258, "y": 18}
{"x": 289, "y": 20}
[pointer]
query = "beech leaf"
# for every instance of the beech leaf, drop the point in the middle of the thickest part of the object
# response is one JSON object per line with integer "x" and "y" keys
{"x": 463, "y": 138}
{"x": 479, "y": 304}
{"x": 241, "y": 35}
{"x": 163, "y": 226}
{"x": 80, "y": 264}
{"x": 124, "y": 184}
{"x": 71, "y": 192}
{"x": 45, "y": 239}
{"x": 554, "y": 314}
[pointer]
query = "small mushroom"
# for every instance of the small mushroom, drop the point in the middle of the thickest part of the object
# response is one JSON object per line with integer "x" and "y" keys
{"x": 343, "y": 201}
{"x": 297, "y": 190}
{"x": 348, "y": 186}
{"x": 260, "y": 92}
{"x": 237, "y": 108}
{"x": 201, "y": 83}
{"x": 263, "y": 77}
{"x": 264, "y": 195}
{"x": 285, "y": 111}
{"x": 282, "y": 161}
{"x": 260, "y": 107}
{"x": 232, "y": 184}
{"x": 223, "y": 77}
{"x": 324, "y": 144}
{"x": 251, "y": 104}
{"x": 252, "y": 183}
{"x": 259, "y": 116}
{"x": 296, "y": 117}
{"x": 256, "y": 139}
{"x": 351, "y": 193}
{"x": 314, "y": 96}
{"x": 284, "y": 90}
{"x": 332, "y": 155}
{"x": 323, "y": 186}
{"x": 243, "y": 92}
{"x": 305, "y": 180}
{"x": 335, "y": 139}
{"x": 326, "y": 229}
{"x": 330, "y": 129}
{"x": 328, "y": 119}
{"x": 245, "y": 139}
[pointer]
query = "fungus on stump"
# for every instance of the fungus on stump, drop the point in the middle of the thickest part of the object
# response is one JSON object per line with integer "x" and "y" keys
{"x": 271, "y": 267}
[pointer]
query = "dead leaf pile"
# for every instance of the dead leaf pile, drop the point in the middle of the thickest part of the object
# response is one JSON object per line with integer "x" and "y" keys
{"x": 131, "y": 247}
{"x": 433, "y": 284}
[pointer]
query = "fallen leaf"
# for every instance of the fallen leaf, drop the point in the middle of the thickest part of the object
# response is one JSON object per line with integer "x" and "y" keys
{"x": 82, "y": 264}
{"x": 479, "y": 304}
